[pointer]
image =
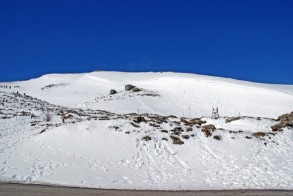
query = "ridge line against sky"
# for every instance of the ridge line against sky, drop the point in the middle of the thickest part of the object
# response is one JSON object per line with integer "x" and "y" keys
{"x": 246, "y": 40}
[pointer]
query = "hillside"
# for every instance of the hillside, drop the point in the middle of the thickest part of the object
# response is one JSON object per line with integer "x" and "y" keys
{"x": 67, "y": 129}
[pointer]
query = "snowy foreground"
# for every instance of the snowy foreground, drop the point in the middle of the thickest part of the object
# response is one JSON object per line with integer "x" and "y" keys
{"x": 66, "y": 129}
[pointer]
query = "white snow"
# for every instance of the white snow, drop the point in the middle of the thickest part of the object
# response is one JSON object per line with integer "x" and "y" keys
{"x": 93, "y": 153}
{"x": 178, "y": 91}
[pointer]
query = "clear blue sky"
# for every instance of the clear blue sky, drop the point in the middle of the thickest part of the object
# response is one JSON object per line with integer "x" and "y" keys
{"x": 248, "y": 40}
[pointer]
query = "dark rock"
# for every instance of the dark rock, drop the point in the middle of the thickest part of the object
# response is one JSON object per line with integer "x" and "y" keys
{"x": 135, "y": 90}
{"x": 171, "y": 116}
{"x": 135, "y": 125}
{"x": 207, "y": 129}
{"x": 286, "y": 120}
{"x": 158, "y": 119}
{"x": 177, "y": 130}
{"x": 129, "y": 87}
{"x": 259, "y": 134}
{"x": 232, "y": 119}
{"x": 285, "y": 117}
{"x": 104, "y": 118}
{"x": 176, "y": 140}
{"x": 147, "y": 138}
{"x": 154, "y": 125}
{"x": 194, "y": 121}
{"x": 185, "y": 137}
{"x": 139, "y": 119}
{"x": 280, "y": 125}
{"x": 164, "y": 131}
{"x": 217, "y": 137}
{"x": 188, "y": 129}
{"x": 113, "y": 92}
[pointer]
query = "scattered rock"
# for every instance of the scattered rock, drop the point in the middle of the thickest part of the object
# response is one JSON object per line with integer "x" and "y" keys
{"x": 228, "y": 120}
{"x": 43, "y": 131}
{"x": 259, "y": 134}
{"x": 207, "y": 129}
{"x": 139, "y": 119}
{"x": 114, "y": 127}
{"x": 104, "y": 118}
{"x": 158, "y": 119}
{"x": 171, "y": 116}
{"x": 185, "y": 137}
{"x": 217, "y": 137}
{"x": 129, "y": 87}
{"x": 135, "y": 90}
{"x": 176, "y": 140}
{"x": 188, "y": 129}
{"x": 194, "y": 121}
{"x": 113, "y": 92}
{"x": 177, "y": 130}
{"x": 135, "y": 125}
{"x": 147, "y": 138}
{"x": 154, "y": 125}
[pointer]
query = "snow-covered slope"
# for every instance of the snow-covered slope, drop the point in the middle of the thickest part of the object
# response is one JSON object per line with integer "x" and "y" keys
{"x": 180, "y": 94}
{"x": 139, "y": 140}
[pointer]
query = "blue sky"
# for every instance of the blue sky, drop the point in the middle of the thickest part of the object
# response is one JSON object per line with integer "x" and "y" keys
{"x": 248, "y": 40}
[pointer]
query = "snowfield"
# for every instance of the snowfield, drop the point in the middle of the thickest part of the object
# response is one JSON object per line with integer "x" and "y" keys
{"x": 67, "y": 129}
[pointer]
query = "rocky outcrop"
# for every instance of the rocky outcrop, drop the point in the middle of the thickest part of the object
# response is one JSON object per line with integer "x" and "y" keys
{"x": 191, "y": 122}
{"x": 129, "y": 87}
{"x": 208, "y": 129}
{"x": 139, "y": 119}
{"x": 285, "y": 120}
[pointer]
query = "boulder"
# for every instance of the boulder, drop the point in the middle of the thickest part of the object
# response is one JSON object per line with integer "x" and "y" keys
{"x": 185, "y": 137}
{"x": 207, "y": 129}
{"x": 129, "y": 87}
{"x": 139, "y": 119}
{"x": 135, "y": 90}
{"x": 191, "y": 122}
{"x": 113, "y": 92}
{"x": 147, "y": 138}
{"x": 176, "y": 140}
{"x": 281, "y": 125}
{"x": 217, "y": 137}
{"x": 259, "y": 134}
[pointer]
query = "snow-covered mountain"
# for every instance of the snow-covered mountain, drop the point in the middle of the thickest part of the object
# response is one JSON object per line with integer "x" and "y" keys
{"x": 68, "y": 129}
